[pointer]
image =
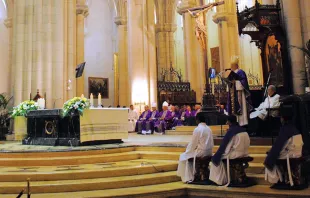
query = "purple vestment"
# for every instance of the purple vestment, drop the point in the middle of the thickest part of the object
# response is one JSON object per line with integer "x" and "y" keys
{"x": 233, "y": 103}
{"x": 161, "y": 123}
{"x": 149, "y": 124}
{"x": 141, "y": 123}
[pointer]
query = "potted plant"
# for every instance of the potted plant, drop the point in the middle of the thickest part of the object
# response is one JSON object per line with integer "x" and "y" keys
{"x": 4, "y": 115}
{"x": 20, "y": 122}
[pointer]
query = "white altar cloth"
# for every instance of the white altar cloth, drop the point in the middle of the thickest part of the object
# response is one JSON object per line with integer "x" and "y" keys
{"x": 104, "y": 124}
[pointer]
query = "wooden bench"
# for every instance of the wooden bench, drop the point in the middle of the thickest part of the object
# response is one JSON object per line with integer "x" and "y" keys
{"x": 238, "y": 177}
{"x": 202, "y": 170}
{"x": 298, "y": 176}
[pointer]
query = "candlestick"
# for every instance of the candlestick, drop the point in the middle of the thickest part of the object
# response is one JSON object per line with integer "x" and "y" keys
{"x": 99, "y": 100}
{"x": 213, "y": 88}
{"x": 41, "y": 103}
{"x": 91, "y": 100}
{"x": 227, "y": 88}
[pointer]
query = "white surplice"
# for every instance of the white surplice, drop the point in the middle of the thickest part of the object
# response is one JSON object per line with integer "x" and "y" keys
{"x": 292, "y": 149}
{"x": 201, "y": 145}
{"x": 237, "y": 147}
{"x": 270, "y": 102}
{"x": 132, "y": 119}
{"x": 242, "y": 119}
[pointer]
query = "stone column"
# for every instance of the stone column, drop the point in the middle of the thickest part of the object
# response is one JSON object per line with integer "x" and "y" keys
{"x": 193, "y": 53}
{"x": 42, "y": 50}
{"x": 8, "y": 23}
{"x": 82, "y": 12}
{"x": 139, "y": 52}
{"x": 292, "y": 18}
{"x": 121, "y": 21}
{"x": 226, "y": 18}
{"x": 165, "y": 28}
{"x": 304, "y": 5}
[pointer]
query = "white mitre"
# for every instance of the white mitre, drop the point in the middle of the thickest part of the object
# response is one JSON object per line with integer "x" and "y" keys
{"x": 165, "y": 104}
{"x": 154, "y": 104}
{"x": 234, "y": 60}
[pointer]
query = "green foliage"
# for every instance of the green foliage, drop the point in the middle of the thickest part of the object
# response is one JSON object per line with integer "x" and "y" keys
{"x": 75, "y": 105}
{"x": 23, "y": 108}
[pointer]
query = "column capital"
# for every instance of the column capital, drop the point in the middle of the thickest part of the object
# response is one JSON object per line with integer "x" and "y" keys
{"x": 184, "y": 5}
{"x": 121, "y": 12}
{"x": 219, "y": 17}
{"x": 8, "y": 22}
{"x": 82, "y": 9}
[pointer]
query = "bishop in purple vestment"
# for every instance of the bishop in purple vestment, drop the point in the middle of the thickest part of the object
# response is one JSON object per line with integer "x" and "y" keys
{"x": 239, "y": 97}
{"x": 149, "y": 123}
{"x": 164, "y": 117}
{"x": 141, "y": 123}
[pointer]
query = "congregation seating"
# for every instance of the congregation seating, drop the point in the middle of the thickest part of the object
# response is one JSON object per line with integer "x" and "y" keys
{"x": 297, "y": 174}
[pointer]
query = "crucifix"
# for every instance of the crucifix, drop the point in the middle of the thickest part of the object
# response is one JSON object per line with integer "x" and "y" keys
{"x": 201, "y": 29}
{"x": 201, "y": 35}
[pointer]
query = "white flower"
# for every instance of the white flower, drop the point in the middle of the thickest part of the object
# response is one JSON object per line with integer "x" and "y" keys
{"x": 76, "y": 106}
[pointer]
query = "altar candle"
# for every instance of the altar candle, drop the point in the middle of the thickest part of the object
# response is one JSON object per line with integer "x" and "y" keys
{"x": 213, "y": 88}
{"x": 99, "y": 99}
{"x": 41, "y": 103}
{"x": 227, "y": 88}
{"x": 91, "y": 99}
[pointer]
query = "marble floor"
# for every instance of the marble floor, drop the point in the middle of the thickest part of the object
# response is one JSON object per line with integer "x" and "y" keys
{"x": 133, "y": 140}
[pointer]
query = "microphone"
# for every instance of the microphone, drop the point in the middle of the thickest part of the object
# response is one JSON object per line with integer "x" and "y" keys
{"x": 55, "y": 102}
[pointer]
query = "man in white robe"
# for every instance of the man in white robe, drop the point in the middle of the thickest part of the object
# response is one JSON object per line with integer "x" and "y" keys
{"x": 234, "y": 145}
{"x": 256, "y": 124}
{"x": 288, "y": 145}
{"x": 132, "y": 118}
{"x": 200, "y": 146}
{"x": 271, "y": 101}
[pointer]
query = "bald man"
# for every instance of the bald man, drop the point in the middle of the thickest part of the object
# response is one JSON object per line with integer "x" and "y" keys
{"x": 260, "y": 113}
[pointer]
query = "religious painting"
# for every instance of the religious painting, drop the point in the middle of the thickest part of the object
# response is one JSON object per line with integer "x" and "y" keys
{"x": 98, "y": 85}
{"x": 215, "y": 58}
{"x": 274, "y": 61}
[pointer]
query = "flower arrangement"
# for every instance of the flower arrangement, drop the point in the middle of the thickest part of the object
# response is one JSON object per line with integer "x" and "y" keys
{"x": 23, "y": 108}
{"x": 75, "y": 105}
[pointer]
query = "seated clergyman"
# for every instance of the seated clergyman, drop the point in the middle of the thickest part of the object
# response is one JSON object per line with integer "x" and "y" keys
{"x": 141, "y": 123}
{"x": 164, "y": 116}
{"x": 132, "y": 118}
{"x": 234, "y": 145}
{"x": 261, "y": 112}
{"x": 150, "y": 122}
{"x": 200, "y": 146}
{"x": 287, "y": 145}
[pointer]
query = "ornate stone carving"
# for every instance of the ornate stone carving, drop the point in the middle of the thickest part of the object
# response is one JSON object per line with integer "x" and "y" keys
{"x": 121, "y": 12}
{"x": 82, "y": 9}
{"x": 8, "y": 22}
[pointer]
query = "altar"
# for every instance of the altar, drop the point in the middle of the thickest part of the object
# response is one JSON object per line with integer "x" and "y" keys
{"x": 97, "y": 125}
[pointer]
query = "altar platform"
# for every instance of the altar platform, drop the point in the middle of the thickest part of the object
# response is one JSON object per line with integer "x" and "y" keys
{"x": 141, "y": 166}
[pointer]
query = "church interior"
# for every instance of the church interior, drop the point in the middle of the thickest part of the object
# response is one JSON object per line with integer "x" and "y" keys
{"x": 155, "y": 98}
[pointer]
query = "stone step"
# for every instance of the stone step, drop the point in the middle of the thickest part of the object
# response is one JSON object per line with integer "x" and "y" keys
{"x": 87, "y": 171}
{"x": 66, "y": 153}
{"x": 75, "y": 160}
{"x": 258, "y": 178}
{"x": 178, "y": 189}
{"x": 90, "y": 184}
{"x": 252, "y": 149}
{"x": 217, "y": 130}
